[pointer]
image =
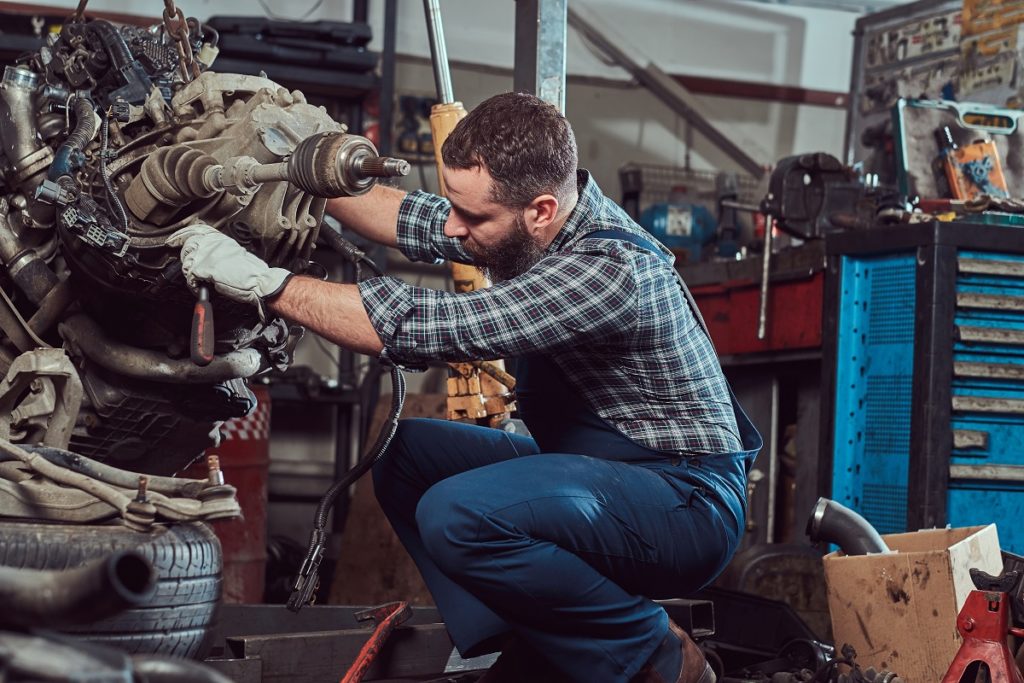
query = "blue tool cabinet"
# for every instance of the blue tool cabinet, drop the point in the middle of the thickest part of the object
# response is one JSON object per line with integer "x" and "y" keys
{"x": 923, "y": 387}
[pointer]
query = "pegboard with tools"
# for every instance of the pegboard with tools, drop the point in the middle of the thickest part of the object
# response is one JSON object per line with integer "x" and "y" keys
{"x": 964, "y": 50}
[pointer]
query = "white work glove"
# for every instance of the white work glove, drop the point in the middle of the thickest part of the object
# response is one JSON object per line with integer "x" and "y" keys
{"x": 208, "y": 255}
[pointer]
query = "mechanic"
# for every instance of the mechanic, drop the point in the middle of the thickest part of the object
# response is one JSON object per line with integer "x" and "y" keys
{"x": 633, "y": 485}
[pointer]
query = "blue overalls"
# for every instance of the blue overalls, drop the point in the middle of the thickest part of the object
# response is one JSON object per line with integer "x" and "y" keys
{"x": 562, "y": 538}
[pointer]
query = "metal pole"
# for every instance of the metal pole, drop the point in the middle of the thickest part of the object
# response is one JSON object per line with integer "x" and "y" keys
{"x": 766, "y": 267}
{"x": 387, "y": 76}
{"x": 541, "y": 28}
{"x": 438, "y": 51}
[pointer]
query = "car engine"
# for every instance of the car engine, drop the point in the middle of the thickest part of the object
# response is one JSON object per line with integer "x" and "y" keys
{"x": 114, "y": 137}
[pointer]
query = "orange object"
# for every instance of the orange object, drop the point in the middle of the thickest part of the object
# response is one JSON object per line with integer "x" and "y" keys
{"x": 974, "y": 170}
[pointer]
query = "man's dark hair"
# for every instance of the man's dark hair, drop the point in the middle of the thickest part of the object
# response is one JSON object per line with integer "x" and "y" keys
{"x": 525, "y": 143}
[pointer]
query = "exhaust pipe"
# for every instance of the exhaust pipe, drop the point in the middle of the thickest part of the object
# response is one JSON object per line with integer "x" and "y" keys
{"x": 57, "y": 599}
{"x": 834, "y": 523}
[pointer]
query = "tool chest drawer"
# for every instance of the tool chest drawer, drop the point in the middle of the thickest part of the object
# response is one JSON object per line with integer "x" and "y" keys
{"x": 924, "y": 376}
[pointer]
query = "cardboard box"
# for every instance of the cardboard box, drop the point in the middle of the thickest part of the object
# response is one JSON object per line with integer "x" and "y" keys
{"x": 899, "y": 609}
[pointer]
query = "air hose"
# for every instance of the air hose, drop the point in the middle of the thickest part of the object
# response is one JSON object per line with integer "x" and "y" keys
{"x": 308, "y": 579}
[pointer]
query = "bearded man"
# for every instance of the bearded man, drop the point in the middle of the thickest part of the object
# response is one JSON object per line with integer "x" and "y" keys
{"x": 632, "y": 483}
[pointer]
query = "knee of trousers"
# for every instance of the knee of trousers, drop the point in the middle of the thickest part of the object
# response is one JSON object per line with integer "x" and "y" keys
{"x": 451, "y": 529}
{"x": 388, "y": 469}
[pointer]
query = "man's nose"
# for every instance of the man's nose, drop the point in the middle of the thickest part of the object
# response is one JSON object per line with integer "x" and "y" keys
{"x": 454, "y": 228}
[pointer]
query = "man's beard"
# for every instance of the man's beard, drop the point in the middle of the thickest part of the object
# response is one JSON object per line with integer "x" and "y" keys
{"x": 512, "y": 256}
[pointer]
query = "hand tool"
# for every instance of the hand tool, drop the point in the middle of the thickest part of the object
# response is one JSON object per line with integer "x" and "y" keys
{"x": 388, "y": 617}
{"x": 202, "y": 339}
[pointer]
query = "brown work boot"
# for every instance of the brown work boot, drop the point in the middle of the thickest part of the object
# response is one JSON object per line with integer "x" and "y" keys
{"x": 520, "y": 663}
{"x": 695, "y": 666}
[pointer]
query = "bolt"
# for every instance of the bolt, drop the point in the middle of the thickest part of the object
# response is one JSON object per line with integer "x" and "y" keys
{"x": 140, "y": 497}
{"x": 36, "y": 386}
{"x": 215, "y": 476}
{"x": 968, "y": 624}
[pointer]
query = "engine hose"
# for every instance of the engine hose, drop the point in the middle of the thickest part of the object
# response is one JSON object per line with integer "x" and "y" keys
{"x": 113, "y": 41}
{"x": 348, "y": 250}
{"x": 308, "y": 579}
{"x": 55, "y": 598}
{"x": 115, "y": 476}
{"x": 76, "y": 141}
{"x": 835, "y": 523}
{"x": 387, "y": 433}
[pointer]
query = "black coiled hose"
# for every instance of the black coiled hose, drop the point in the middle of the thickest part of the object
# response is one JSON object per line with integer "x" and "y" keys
{"x": 387, "y": 433}
{"x": 81, "y": 134}
{"x": 308, "y": 579}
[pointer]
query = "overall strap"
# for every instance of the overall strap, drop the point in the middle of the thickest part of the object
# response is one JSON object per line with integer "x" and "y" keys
{"x": 644, "y": 243}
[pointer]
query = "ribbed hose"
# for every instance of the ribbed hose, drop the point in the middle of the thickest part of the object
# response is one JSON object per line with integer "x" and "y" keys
{"x": 307, "y": 580}
{"x": 387, "y": 433}
{"x": 80, "y": 135}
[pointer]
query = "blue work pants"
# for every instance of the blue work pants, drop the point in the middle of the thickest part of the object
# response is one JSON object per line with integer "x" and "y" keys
{"x": 564, "y": 550}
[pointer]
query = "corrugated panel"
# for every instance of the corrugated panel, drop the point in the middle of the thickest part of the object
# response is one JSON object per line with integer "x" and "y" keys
{"x": 873, "y": 387}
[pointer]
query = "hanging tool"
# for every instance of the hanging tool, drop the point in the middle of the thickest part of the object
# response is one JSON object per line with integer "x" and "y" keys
{"x": 388, "y": 617}
{"x": 471, "y": 395}
{"x": 202, "y": 338}
{"x": 984, "y": 623}
{"x": 766, "y": 267}
{"x": 972, "y": 170}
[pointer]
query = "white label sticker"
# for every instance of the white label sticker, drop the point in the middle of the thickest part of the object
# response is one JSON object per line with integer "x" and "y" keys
{"x": 680, "y": 221}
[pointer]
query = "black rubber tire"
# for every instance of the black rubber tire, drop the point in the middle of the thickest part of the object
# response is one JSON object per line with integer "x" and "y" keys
{"x": 176, "y": 621}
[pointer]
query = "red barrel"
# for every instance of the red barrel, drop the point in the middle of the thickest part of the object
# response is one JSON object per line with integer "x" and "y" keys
{"x": 244, "y": 455}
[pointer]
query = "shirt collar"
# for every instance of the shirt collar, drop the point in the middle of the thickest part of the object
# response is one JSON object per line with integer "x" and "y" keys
{"x": 588, "y": 205}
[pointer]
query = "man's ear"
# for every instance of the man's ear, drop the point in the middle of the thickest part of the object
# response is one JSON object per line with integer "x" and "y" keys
{"x": 541, "y": 212}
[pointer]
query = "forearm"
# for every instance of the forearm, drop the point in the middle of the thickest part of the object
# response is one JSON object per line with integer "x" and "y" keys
{"x": 373, "y": 215}
{"x": 330, "y": 309}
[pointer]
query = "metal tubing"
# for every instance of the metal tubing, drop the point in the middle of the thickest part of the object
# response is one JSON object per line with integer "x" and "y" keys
{"x": 438, "y": 52}
{"x": 766, "y": 265}
{"x": 54, "y": 599}
{"x": 834, "y": 523}
{"x": 83, "y": 333}
{"x": 115, "y": 476}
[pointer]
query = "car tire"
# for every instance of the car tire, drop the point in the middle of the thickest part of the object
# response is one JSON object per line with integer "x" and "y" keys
{"x": 176, "y": 621}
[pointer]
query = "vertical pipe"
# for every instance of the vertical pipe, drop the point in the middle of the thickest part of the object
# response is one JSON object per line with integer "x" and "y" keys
{"x": 387, "y": 77}
{"x": 438, "y": 52}
{"x": 360, "y": 11}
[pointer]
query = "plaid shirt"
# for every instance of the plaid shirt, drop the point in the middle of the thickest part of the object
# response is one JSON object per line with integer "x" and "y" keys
{"x": 610, "y": 314}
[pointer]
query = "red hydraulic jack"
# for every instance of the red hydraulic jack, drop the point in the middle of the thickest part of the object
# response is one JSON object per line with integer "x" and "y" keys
{"x": 388, "y": 617}
{"x": 984, "y": 623}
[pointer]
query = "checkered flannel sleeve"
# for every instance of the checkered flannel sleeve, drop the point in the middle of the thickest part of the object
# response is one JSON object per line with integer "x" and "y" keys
{"x": 564, "y": 301}
{"x": 421, "y": 219}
